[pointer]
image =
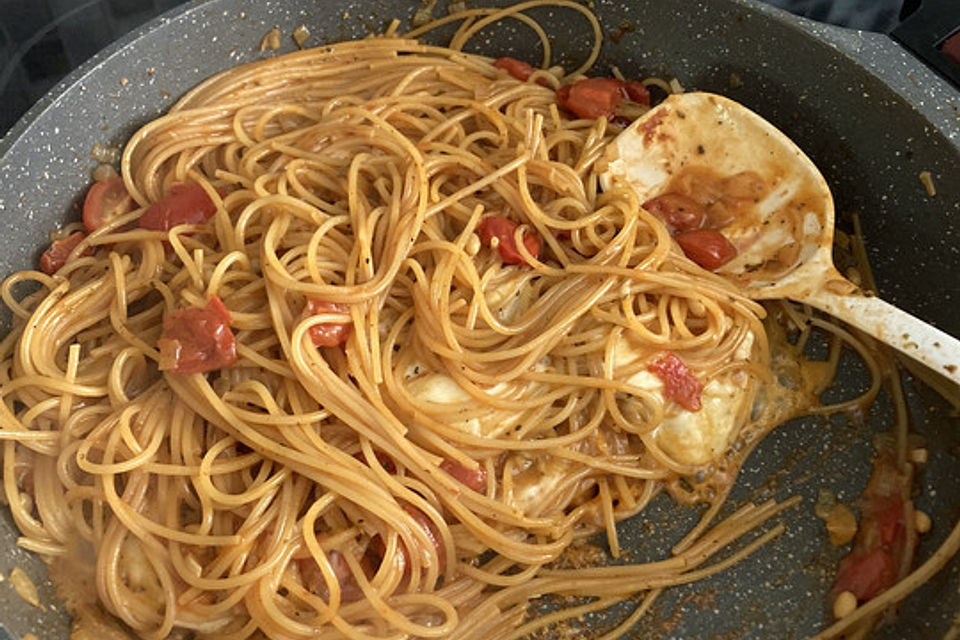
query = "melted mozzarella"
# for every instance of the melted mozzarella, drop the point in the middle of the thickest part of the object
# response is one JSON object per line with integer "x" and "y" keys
{"x": 442, "y": 390}
{"x": 541, "y": 480}
{"x": 696, "y": 437}
{"x": 509, "y": 294}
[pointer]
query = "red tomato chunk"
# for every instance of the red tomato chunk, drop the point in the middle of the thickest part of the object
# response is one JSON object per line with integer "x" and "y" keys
{"x": 328, "y": 334}
{"x": 679, "y": 383}
{"x": 377, "y": 548}
{"x": 866, "y": 574}
{"x": 504, "y": 230}
{"x": 637, "y": 91}
{"x": 105, "y": 201}
{"x": 708, "y": 248}
{"x": 516, "y": 68}
{"x": 475, "y": 479}
{"x": 679, "y": 212}
{"x": 187, "y": 203}
{"x": 432, "y": 534}
{"x": 383, "y": 459}
{"x": 313, "y": 581}
{"x": 593, "y": 98}
{"x": 59, "y": 251}
{"x": 197, "y": 340}
{"x": 883, "y": 548}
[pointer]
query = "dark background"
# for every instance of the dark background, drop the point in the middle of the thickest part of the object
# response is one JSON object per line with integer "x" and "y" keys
{"x": 43, "y": 40}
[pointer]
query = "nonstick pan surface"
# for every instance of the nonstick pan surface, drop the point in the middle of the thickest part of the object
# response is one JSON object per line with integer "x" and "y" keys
{"x": 869, "y": 115}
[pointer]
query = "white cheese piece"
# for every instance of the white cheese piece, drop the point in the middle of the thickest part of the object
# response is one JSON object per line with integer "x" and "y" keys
{"x": 694, "y": 437}
{"x": 746, "y": 347}
{"x": 509, "y": 295}
{"x": 443, "y": 390}
{"x": 536, "y": 483}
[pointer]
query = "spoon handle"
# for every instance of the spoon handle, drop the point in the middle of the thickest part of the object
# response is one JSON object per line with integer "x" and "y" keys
{"x": 921, "y": 341}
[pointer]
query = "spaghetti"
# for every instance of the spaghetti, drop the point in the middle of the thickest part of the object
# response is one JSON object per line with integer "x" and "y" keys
{"x": 440, "y": 355}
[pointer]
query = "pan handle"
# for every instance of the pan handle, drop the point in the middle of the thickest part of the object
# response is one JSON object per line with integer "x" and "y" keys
{"x": 932, "y": 33}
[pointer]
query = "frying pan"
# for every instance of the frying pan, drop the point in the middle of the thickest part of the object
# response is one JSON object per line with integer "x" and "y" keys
{"x": 869, "y": 114}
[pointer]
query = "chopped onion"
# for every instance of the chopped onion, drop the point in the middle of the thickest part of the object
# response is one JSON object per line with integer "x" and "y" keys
{"x": 841, "y": 525}
{"x": 103, "y": 153}
{"x": 104, "y": 172}
{"x": 271, "y": 40}
{"x": 927, "y": 179}
{"x": 300, "y": 35}
{"x": 424, "y": 14}
{"x": 826, "y": 501}
{"x": 24, "y": 587}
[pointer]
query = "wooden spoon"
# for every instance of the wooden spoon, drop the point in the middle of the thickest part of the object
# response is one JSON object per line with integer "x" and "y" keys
{"x": 783, "y": 235}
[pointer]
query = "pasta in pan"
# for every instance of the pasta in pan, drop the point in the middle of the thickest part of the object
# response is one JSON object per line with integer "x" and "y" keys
{"x": 367, "y": 350}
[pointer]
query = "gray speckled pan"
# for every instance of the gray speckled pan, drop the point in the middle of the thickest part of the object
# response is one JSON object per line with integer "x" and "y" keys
{"x": 869, "y": 115}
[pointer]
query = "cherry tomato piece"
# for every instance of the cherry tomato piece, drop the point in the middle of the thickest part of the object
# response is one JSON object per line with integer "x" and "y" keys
{"x": 187, "y": 203}
{"x": 504, "y": 231}
{"x": 883, "y": 548}
{"x": 708, "y": 248}
{"x": 866, "y": 574}
{"x": 637, "y": 92}
{"x": 328, "y": 334}
{"x": 679, "y": 212}
{"x": 105, "y": 201}
{"x": 516, "y": 68}
{"x": 197, "y": 340}
{"x": 679, "y": 382}
{"x": 475, "y": 479}
{"x": 385, "y": 461}
{"x": 592, "y": 98}
{"x": 313, "y": 580}
{"x": 431, "y": 530}
{"x": 59, "y": 251}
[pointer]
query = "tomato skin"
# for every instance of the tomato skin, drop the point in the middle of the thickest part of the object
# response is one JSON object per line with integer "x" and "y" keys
{"x": 187, "y": 203}
{"x": 516, "y": 68}
{"x": 106, "y": 199}
{"x": 313, "y": 581}
{"x": 328, "y": 334}
{"x": 504, "y": 230}
{"x": 866, "y": 575}
{"x": 887, "y": 512}
{"x": 637, "y": 92}
{"x": 883, "y": 547}
{"x": 431, "y": 530}
{"x": 377, "y": 547}
{"x": 197, "y": 340}
{"x": 679, "y": 382}
{"x": 679, "y": 212}
{"x": 475, "y": 479}
{"x": 385, "y": 461}
{"x": 708, "y": 248}
{"x": 57, "y": 254}
{"x": 591, "y": 98}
